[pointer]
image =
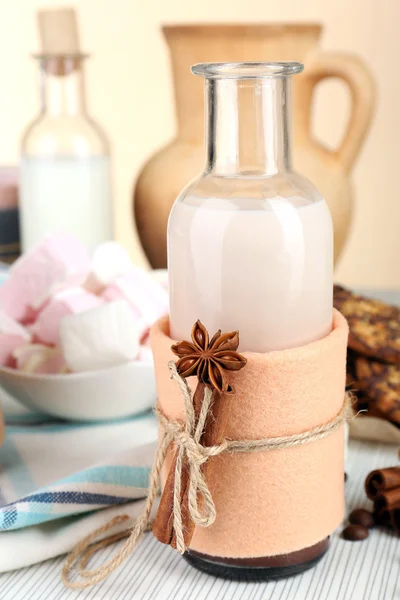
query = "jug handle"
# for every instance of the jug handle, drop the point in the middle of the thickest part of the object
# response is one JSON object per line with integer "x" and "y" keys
{"x": 358, "y": 78}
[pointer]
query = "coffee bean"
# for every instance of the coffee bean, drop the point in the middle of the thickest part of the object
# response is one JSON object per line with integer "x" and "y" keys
{"x": 355, "y": 533}
{"x": 361, "y": 516}
{"x": 345, "y": 477}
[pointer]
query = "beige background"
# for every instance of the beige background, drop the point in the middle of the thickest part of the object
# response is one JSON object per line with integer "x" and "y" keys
{"x": 130, "y": 92}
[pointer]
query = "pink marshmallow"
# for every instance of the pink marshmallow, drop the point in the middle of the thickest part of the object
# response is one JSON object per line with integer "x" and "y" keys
{"x": 145, "y": 339}
{"x": 8, "y": 343}
{"x": 12, "y": 335}
{"x": 146, "y": 297}
{"x": 40, "y": 359}
{"x": 30, "y": 316}
{"x": 70, "y": 301}
{"x": 57, "y": 260}
{"x": 111, "y": 293}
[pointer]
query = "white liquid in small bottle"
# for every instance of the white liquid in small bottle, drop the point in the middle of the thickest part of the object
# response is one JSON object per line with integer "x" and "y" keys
{"x": 263, "y": 267}
{"x": 69, "y": 194}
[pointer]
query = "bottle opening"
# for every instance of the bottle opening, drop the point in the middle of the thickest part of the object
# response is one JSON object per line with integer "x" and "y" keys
{"x": 247, "y": 70}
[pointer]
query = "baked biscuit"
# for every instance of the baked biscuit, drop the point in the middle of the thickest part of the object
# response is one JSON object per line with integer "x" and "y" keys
{"x": 381, "y": 383}
{"x": 374, "y": 325}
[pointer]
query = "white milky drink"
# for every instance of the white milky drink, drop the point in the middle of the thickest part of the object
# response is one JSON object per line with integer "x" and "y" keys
{"x": 263, "y": 267}
{"x": 66, "y": 194}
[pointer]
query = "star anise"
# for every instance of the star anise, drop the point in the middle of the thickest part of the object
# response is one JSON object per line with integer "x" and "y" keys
{"x": 208, "y": 359}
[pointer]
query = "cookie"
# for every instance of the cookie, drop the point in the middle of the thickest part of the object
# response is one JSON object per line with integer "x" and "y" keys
{"x": 374, "y": 325}
{"x": 381, "y": 383}
{"x": 340, "y": 293}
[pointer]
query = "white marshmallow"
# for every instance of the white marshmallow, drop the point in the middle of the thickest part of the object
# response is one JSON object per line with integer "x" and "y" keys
{"x": 113, "y": 293}
{"x": 145, "y": 354}
{"x": 99, "y": 338}
{"x": 161, "y": 277}
{"x": 70, "y": 301}
{"x": 40, "y": 359}
{"x": 57, "y": 260}
{"x": 110, "y": 260}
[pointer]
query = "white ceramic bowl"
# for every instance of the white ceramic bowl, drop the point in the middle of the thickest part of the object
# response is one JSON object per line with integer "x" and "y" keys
{"x": 111, "y": 393}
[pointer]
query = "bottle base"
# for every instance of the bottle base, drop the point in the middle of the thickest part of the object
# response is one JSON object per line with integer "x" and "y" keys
{"x": 259, "y": 569}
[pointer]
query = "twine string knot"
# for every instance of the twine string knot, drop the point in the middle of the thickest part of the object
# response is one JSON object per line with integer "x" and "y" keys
{"x": 186, "y": 436}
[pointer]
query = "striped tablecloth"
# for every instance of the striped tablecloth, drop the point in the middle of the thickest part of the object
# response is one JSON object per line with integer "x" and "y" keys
{"x": 368, "y": 570}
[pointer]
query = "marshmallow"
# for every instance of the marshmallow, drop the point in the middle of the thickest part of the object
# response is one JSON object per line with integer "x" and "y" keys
{"x": 161, "y": 277}
{"x": 110, "y": 260}
{"x": 37, "y": 274}
{"x": 146, "y": 297}
{"x": 12, "y": 335}
{"x": 145, "y": 354}
{"x": 70, "y": 301}
{"x": 111, "y": 294}
{"x": 39, "y": 359}
{"x": 99, "y": 338}
{"x": 8, "y": 343}
{"x": 145, "y": 339}
{"x": 8, "y": 325}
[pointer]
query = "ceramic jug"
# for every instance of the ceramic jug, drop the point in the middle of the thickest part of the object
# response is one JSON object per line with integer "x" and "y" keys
{"x": 164, "y": 175}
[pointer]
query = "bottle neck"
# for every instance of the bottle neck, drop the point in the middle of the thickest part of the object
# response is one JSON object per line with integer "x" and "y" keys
{"x": 248, "y": 126}
{"x": 61, "y": 86}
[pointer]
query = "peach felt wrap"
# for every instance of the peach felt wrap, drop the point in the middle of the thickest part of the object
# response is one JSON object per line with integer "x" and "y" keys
{"x": 281, "y": 501}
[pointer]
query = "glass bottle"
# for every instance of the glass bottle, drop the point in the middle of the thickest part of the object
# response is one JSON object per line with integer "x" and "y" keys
{"x": 65, "y": 161}
{"x": 250, "y": 241}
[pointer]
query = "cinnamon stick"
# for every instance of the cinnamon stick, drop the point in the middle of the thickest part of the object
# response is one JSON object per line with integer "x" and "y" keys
{"x": 395, "y": 519}
{"x": 214, "y": 434}
{"x": 163, "y": 522}
{"x": 382, "y": 480}
{"x": 383, "y": 517}
{"x": 208, "y": 359}
{"x": 387, "y": 500}
{"x": 163, "y": 526}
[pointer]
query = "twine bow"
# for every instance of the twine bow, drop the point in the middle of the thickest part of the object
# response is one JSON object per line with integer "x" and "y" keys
{"x": 186, "y": 436}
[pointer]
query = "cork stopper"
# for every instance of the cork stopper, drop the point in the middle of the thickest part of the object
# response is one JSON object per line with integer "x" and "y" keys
{"x": 58, "y": 30}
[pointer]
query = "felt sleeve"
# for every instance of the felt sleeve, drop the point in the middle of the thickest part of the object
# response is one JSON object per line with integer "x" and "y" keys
{"x": 280, "y": 501}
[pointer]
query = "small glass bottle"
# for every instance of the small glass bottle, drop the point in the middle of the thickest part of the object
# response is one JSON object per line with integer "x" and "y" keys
{"x": 250, "y": 243}
{"x": 65, "y": 161}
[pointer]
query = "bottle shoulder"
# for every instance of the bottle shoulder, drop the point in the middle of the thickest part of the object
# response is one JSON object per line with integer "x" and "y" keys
{"x": 49, "y": 135}
{"x": 239, "y": 190}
